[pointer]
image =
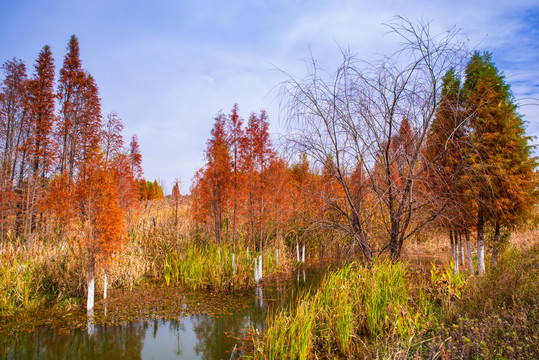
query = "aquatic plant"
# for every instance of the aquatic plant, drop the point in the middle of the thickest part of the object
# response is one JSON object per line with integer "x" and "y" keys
{"x": 374, "y": 302}
{"x": 212, "y": 266}
{"x": 17, "y": 283}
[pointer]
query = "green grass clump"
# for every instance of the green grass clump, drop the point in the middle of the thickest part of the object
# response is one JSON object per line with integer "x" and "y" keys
{"x": 353, "y": 302}
{"x": 17, "y": 283}
{"x": 211, "y": 266}
{"x": 292, "y": 335}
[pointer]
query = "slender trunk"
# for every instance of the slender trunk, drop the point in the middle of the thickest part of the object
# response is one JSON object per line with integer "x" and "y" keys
{"x": 455, "y": 239}
{"x": 363, "y": 243}
{"x": 496, "y": 244}
{"x": 303, "y": 253}
{"x": 256, "y": 269}
{"x": 91, "y": 284}
{"x": 218, "y": 224}
{"x": 455, "y": 246}
{"x": 260, "y": 266}
{"x": 105, "y": 286}
{"x": 234, "y": 264}
{"x": 452, "y": 244}
{"x": 480, "y": 243}
{"x": 226, "y": 233}
{"x": 393, "y": 237}
{"x": 297, "y": 249}
{"x": 470, "y": 260}
{"x": 461, "y": 246}
{"x": 27, "y": 229}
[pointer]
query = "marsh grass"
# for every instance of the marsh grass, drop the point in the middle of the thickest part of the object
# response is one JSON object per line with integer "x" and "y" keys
{"x": 32, "y": 274}
{"x": 51, "y": 266}
{"x": 17, "y": 284}
{"x": 352, "y": 303}
{"x": 388, "y": 311}
{"x": 211, "y": 266}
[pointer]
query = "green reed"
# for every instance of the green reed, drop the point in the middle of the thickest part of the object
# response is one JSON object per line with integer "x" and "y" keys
{"x": 17, "y": 283}
{"x": 215, "y": 267}
{"x": 350, "y": 303}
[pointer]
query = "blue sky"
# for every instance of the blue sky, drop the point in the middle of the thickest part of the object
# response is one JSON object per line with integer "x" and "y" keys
{"x": 168, "y": 67}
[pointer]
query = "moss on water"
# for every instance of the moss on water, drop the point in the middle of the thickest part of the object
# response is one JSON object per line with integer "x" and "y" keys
{"x": 126, "y": 306}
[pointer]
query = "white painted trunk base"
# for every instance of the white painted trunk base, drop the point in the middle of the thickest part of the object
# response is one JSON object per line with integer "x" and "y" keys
{"x": 91, "y": 294}
{"x": 480, "y": 259}
{"x": 256, "y": 270}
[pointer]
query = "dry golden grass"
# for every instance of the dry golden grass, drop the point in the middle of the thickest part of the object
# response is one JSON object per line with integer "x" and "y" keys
{"x": 525, "y": 239}
{"x": 59, "y": 262}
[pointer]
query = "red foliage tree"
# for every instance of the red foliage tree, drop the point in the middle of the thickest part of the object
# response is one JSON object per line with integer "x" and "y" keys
{"x": 14, "y": 137}
{"x": 257, "y": 155}
{"x": 70, "y": 95}
{"x": 212, "y": 182}
{"x": 40, "y": 145}
{"x": 100, "y": 214}
{"x": 41, "y": 100}
{"x": 236, "y": 140}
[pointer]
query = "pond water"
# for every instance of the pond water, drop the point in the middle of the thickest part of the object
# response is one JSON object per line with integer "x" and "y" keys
{"x": 202, "y": 334}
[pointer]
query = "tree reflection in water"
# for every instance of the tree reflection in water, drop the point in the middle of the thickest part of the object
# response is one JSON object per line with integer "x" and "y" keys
{"x": 199, "y": 336}
{"x": 107, "y": 342}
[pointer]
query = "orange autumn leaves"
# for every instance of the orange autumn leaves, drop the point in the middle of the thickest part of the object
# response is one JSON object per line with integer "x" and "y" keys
{"x": 243, "y": 193}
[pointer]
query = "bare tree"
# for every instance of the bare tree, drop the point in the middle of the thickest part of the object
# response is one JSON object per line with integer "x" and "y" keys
{"x": 366, "y": 126}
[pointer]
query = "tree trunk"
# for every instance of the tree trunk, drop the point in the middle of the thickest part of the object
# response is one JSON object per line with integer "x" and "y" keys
{"x": 456, "y": 253}
{"x": 470, "y": 260}
{"x": 480, "y": 243}
{"x": 393, "y": 239}
{"x": 496, "y": 244}
{"x": 452, "y": 243}
{"x": 297, "y": 249}
{"x": 364, "y": 244}
{"x": 218, "y": 225}
{"x": 455, "y": 246}
{"x": 91, "y": 284}
{"x": 260, "y": 266}
{"x": 233, "y": 264}
{"x": 256, "y": 269}
{"x": 461, "y": 249}
{"x": 105, "y": 286}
